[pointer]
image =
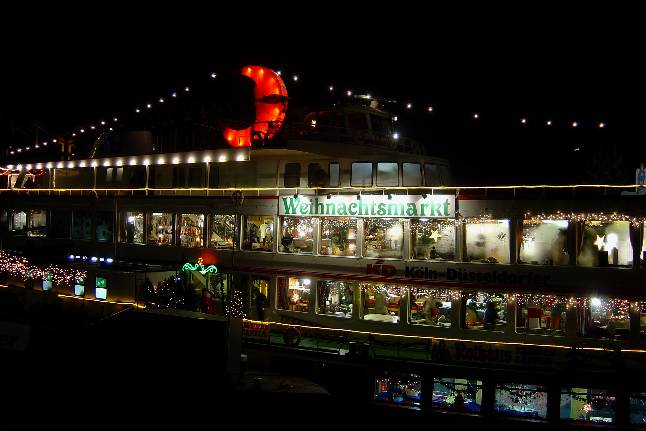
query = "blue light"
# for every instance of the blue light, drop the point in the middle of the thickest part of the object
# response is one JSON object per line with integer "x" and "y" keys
{"x": 94, "y": 259}
{"x": 70, "y": 257}
{"x": 101, "y": 259}
{"x": 109, "y": 260}
{"x": 78, "y": 257}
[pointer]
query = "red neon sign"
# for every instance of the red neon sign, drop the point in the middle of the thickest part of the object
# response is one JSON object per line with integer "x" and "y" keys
{"x": 271, "y": 104}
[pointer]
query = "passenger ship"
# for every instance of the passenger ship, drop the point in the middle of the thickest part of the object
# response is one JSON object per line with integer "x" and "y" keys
{"x": 331, "y": 220}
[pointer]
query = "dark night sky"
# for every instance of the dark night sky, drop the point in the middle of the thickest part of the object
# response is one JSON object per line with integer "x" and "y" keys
{"x": 573, "y": 68}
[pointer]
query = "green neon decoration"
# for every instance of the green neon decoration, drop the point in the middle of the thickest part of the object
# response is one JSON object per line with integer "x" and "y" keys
{"x": 200, "y": 267}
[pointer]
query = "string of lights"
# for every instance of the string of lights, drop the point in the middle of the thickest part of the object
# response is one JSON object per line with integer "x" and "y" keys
{"x": 19, "y": 267}
{"x": 587, "y": 218}
{"x": 109, "y": 123}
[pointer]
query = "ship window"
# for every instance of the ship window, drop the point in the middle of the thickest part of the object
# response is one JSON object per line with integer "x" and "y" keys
{"x": 600, "y": 317}
{"x": 4, "y": 220}
{"x": 444, "y": 175}
{"x": 488, "y": 241}
{"x": 37, "y": 223}
{"x": 432, "y": 239}
{"x": 606, "y": 243}
{"x": 544, "y": 242}
{"x": 179, "y": 176}
{"x": 335, "y": 175}
{"x": 431, "y": 174}
{"x": 259, "y": 233}
{"x": 399, "y": 389}
{"x": 214, "y": 176}
{"x": 361, "y": 174}
{"x": 191, "y": 231}
{"x": 132, "y": 227}
{"x": 381, "y": 302}
{"x": 316, "y": 175}
{"x": 195, "y": 176}
{"x": 460, "y": 395}
{"x": 160, "y": 228}
{"x": 338, "y": 236}
{"x": 104, "y": 226}
{"x": 589, "y": 405}
{"x": 541, "y": 314}
{"x": 638, "y": 408}
{"x": 411, "y": 174}
{"x": 383, "y": 238}
{"x": 520, "y": 400}
{"x": 387, "y": 174}
{"x": 259, "y": 295}
{"x": 484, "y": 310}
{"x": 336, "y": 298}
{"x": 297, "y": 235}
{"x": 60, "y": 222}
{"x": 222, "y": 231}
{"x": 81, "y": 225}
{"x": 431, "y": 307}
{"x": 294, "y": 294}
{"x": 18, "y": 221}
{"x": 292, "y": 177}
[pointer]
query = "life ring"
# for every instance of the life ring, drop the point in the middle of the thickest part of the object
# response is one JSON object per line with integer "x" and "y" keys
{"x": 271, "y": 105}
{"x": 292, "y": 336}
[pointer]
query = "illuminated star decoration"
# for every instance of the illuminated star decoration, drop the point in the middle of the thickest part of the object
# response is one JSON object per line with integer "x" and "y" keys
{"x": 435, "y": 235}
{"x": 199, "y": 266}
{"x": 600, "y": 242}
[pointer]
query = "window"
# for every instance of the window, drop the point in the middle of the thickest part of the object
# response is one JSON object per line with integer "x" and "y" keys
{"x": 638, "y": 408}
{"x": 544, "y": 242}
{"x": 444, "y": 175}
{"x": 294, "y": 294}
{"x": 432, "y": 239}
{"x": 380, "y": 302}
{"x": 529, "y": 401}
{"x": 484, "y": 310}
{"x": 101, "y": 291}
{"x": 195, "y": 176}
{"x": 259, "y": 233}
{"x": 191, "y": 233}
{"x": 488, "y": 241}
{"x": 338, "y": 236}
{"x": 132, "y": 227}
{"x": 316, "y": 175}
{"x": 461, "y": 395}
{"x": 606, "y": 243}
{"x": 431, "y": 307}
{"x": 18, "y": 221}
{"x": 179, "y": 176}
{"x": 214, "y": 176}
{"x": 387, "y": 174}
{"x": 160, "y": 228}
{"x": 259, "y": 297}
{"x": 292, "y": 177}
{"x": 297, "y": 235}
{"x": 37, "y": 223}
{"x": 81, "y": 225}
{"x": 60, "y": 221}
{"x": 383, "y": 238}
{"x": 361, "y": 174}
{"x": 335, "y": 175}
{"x": 411, "y": 174}
{"x": 336, "y": 298}
{"x": 399, "y": 389}
{"x": 431, "y": 174}
{"x": 590, "y": 405}
{"x": 222, "y": 231}
{"x": 541, "y": 314}
{"x": 103, "y": 230}
{"x": 600, "y": 317}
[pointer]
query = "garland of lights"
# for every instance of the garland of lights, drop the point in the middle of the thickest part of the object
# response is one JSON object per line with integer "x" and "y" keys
{"x": 199, "y": 266}
{"x": 19, "y": 267}
{"x": 587, "y": 218}
{"x": 236, "y": 308}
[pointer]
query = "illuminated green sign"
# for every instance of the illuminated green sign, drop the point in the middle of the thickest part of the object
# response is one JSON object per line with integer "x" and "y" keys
{"x": 100, "y": 282}
{"x": 200, "y": 267}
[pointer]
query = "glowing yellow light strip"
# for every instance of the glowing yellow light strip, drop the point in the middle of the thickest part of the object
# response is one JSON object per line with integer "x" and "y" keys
{"x": 425, "y": 337}
{"x": 62, "y": 295}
